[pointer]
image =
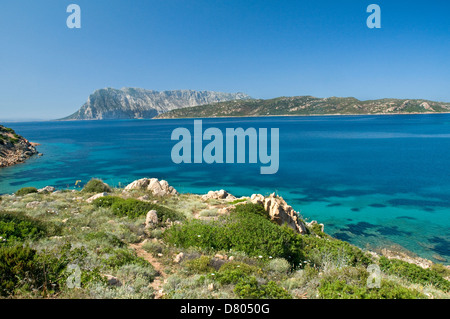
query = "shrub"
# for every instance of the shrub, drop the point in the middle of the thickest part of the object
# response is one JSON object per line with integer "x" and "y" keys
{"x": 26, "y": 190}
{"x": 441, "y": 270}
{"x": 249, "y": 288}
{"x": 107, "y": 201}
{"x": 236, "y": 201}
{"x": 251, "y": 209}
{"x": 55, "y": 264}
{"x": 245, "y": 230}
{"x": 17, "y": 226}
{"x": 152, "y": 247}
{"x": 232, "y": 272}
{"x": 279, "y": 265}
{"x": 317, "y": 230}
{"x": 107, "y": 238}
{"x": 208, "y": 213}
{"x": 335, "y": 251}
{"x": 339, "y": 289}
{"x": 123, "y": 256}
{"x": 132, "y": 272}
{"x": 18, "y": 268}
{"x": 156, "y": 233}
{"x": 134, "y": 208}
{"x": 22, "y": 268}
{"x": 414, "y": 273}
{"x": 96, "y": 186}
{"x": 199, "y": 265}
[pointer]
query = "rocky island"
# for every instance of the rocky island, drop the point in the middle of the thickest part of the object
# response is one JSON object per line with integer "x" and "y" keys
{"x": 14, "y": 148}
{"x": 136, "y": 103}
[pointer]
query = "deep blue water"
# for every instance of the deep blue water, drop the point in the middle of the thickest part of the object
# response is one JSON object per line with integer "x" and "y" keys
{"x": 372, "y": 180}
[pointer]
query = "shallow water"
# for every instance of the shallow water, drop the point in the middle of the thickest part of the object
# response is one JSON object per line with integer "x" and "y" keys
{"x": 374, "y": 181}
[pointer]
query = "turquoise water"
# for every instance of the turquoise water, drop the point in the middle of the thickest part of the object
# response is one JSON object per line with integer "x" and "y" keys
{"x": 374, "y": 181}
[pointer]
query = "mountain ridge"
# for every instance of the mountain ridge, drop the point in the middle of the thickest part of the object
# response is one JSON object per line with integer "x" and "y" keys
{"x": 137, "y": 103}
{"x": 309, "y": 105}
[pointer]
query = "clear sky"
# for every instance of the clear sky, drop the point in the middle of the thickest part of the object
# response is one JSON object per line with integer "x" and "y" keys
{"x": 265, "y": 48}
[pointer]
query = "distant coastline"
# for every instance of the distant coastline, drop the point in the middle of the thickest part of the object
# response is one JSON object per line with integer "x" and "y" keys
{"x": 297, "y": 115}
{"x": 308, "y": 106}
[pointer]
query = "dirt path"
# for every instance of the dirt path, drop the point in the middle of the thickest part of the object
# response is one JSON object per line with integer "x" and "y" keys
{"x": 158, "y": 282}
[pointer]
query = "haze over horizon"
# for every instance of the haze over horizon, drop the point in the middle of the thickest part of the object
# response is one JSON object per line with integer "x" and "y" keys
{"x": 265, "y": 49}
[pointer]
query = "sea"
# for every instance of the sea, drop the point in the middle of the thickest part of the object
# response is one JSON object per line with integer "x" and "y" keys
{"x": 376, "y": 181}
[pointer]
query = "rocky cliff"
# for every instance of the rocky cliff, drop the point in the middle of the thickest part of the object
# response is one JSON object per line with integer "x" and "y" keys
{"x": 133, "y": 103}
{"x": 14, "y": 148}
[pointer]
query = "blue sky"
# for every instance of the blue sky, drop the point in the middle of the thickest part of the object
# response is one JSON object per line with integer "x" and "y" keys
{"x": 263, "y": 48}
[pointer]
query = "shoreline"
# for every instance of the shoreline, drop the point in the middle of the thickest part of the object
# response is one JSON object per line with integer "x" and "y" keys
{"x": 220, "y": 117}
{"x": 395, "y": 251}
{"x": 296, "y": 115}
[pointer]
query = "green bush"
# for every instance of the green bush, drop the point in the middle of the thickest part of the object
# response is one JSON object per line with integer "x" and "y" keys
{"x": 199, "y": 265}
{"x": 134, "y": 208}
{"x": 23, "y": 269}
{"x": 339, "y": 289}
{"x": 107, "y": 238}
{"x": 55, "y": 264}
{"x": 119, "y": 257}
{"x": 246, "y": 230}
{"x": 26, "y": 190}
{"x": 107, "y": 201}
{"x": 251, "y": 209}
{"x": 334, "y": 249}
{"x": 441, "y": 270}
{"x": 96, "y": 186}
{"x": 249, "y": 288}
{"x": 232, "y": 272}
{"x": 236, "y": 201}
{"x": 18, "y": 268}
{"x": 152, "y": 247}
{"x": 279, "y": 265}
{"x": 414, "y": 273}
{"x": 17, "y": 226}
{"x": 317, "y": 230}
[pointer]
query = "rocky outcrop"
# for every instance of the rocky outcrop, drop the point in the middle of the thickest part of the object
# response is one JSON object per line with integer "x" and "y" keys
{"x": 313, "y": 223}
{"x": 178, "y": 258}
{"x": 134, "y": 103}
{"x": 222, "y": 194}
{"x": 151, "y": 219}
{"x": 14, "y": 149}
{"x": 46, "y": 190}
{"x": 157, "y": 187}
{"x": 280, "y": 212}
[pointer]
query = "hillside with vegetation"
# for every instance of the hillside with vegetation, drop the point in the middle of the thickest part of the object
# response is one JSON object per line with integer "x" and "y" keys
{"x": 14, "y": 148}
{"x": 308, "y": 105}
{"x": 149, "y": 241}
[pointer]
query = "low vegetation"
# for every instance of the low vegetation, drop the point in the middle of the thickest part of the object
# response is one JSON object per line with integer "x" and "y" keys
{"x": 58, "y": 245}
{"x": 26, "y": 190}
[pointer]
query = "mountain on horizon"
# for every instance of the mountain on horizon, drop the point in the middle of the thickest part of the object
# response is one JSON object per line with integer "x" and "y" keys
{"x": 136, "y": 103}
